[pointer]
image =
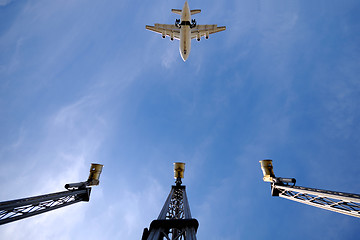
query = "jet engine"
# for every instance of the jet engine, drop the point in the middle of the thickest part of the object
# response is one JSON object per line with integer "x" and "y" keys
{"x": 163, "y": 35}
{"x": 198, "y": 37}
{"x": 207, "y": 35}
{"x": 172, "y": 36}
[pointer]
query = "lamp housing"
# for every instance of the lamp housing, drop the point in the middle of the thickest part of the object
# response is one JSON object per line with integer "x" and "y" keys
{"x": 95, "y": 171}
{"x": 179, "y": 169}
{"x": 267, "y": 169}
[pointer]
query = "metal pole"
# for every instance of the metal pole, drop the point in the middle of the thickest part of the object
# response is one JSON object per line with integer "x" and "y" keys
{"x": 340, "y": 202}
{"x": 174, "y": 221}
{"x": 344, "y": 203}
{"x": 14, "y": 210}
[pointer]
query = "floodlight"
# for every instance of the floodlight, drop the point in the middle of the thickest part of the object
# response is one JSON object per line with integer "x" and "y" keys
{"x": 267, "y": 169}
{"x": 95, "y": 171}
{"x": 179, "y": 169}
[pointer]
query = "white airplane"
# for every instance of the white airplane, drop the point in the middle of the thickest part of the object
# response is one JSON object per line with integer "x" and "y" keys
{"x": 185, "y": 30}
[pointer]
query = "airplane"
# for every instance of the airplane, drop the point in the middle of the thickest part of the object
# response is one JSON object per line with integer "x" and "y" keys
{"x": 185, "y": 29}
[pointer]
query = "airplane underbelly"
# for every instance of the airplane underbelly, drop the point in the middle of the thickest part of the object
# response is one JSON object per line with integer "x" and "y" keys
{"x": 185, "y": 42}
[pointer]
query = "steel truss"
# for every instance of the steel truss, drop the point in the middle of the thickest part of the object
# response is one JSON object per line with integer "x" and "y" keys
{"x": 174, "y": 221}
{"x": 345, "y": 203}
{"x": 26, "y": 207}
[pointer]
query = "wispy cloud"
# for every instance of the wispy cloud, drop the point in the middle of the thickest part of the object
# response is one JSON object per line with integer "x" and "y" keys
{"x": 5, "y": 2}
{"x": 170, "y": 55}
{"x": 72, "y": 137}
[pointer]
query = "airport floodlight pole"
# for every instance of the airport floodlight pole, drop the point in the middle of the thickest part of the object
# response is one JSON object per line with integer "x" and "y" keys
{"x": 14, "y": 210}
{"x": 174, "y": 221}
{"x": 340, "y": 202}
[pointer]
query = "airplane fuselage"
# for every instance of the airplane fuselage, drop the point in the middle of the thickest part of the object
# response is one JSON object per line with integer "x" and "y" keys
{"x": 185, "y": 32}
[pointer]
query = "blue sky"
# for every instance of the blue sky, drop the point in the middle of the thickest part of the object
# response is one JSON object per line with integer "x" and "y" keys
{"x": 83, "y": 81}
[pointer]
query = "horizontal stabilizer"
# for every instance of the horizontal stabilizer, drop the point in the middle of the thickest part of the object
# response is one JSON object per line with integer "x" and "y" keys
{"x": 177, "y": 11}
{"x": 195, "y": 11}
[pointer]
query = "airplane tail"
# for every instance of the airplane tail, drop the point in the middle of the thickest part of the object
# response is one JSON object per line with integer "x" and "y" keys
{"x": 192, "y": 12}
{"x": 177, "y": 11}
{"x": 195, "y": 11}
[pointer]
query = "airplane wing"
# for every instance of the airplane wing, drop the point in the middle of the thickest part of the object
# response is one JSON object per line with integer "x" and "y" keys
{"x": 205, "y": 30}
{"x": 165, "y": 30}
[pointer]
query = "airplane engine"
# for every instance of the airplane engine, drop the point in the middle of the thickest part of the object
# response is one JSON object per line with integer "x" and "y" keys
{"x": 198, "y": 37}
{"x": 207, "y": 35}
{"x": 172, "y": 36}
{"x": 163, "y": 35}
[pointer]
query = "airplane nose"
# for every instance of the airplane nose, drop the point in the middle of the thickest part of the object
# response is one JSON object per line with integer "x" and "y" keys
{"x": 184, "y": 56}
{"x": 184, "y": 53}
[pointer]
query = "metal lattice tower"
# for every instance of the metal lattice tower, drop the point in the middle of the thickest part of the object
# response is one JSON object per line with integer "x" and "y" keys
{"x": 14, "y": 210}
{"x": 174, "y": 221}
{"x": 345, "y": 203}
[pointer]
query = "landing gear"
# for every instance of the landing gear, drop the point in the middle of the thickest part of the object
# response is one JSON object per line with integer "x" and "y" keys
{"x": 177, "y": 23}
{"x": 193, "y": 23}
